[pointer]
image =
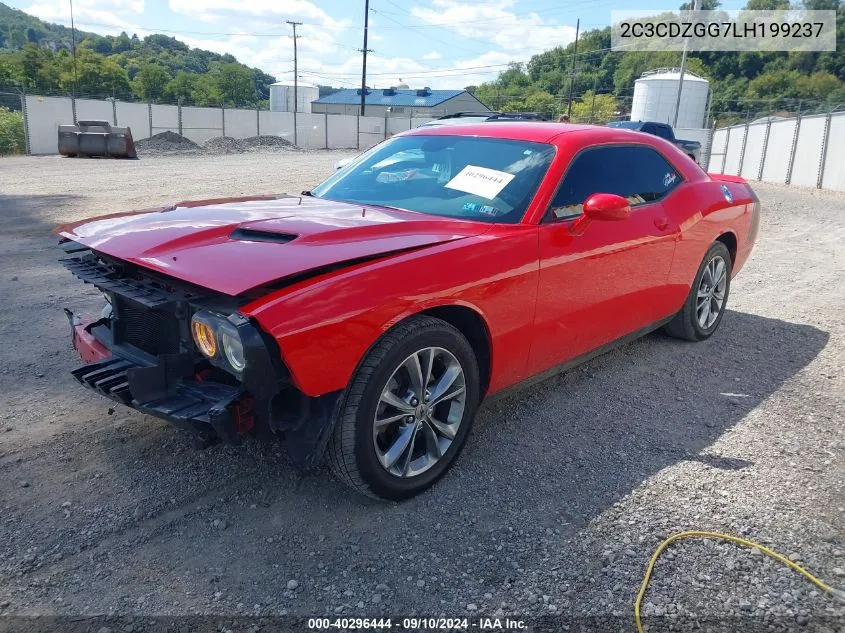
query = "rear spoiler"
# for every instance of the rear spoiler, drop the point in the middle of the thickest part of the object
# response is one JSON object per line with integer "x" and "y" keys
{"x": 728, "y": 178}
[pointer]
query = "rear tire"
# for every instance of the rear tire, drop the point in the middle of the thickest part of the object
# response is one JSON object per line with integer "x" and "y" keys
{"x": 708, "y": 297}
{"x": 399, "y": 430}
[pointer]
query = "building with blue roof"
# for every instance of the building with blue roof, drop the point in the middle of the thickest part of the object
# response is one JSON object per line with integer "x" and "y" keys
{"x": 424, "y": 102}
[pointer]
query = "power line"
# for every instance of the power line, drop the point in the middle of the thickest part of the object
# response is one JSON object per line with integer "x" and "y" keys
{"x": 429, "y": 36}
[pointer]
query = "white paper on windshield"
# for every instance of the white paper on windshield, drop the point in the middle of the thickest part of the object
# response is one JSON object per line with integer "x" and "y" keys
{"x": 480, "y": 181}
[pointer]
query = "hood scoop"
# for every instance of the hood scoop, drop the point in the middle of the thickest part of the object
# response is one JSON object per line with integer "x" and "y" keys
{"x": 259, "y": 235}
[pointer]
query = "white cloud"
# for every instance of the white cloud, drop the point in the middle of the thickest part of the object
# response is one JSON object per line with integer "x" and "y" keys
{"x": 293, "y": 9}
{"x": 432, "y": 55}
{"x": 491, "y": 23}
{"x": 97, "y": 17}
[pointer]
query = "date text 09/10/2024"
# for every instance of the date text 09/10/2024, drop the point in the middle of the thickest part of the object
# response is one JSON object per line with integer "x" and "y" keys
{"x": 416, "y": 624}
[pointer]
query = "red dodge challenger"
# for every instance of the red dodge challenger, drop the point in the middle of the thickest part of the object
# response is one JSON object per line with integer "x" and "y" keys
{"x": 368, "y": 318}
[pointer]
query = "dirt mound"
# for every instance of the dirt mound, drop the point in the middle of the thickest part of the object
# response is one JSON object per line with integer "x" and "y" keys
{"x": 165, "y": 143}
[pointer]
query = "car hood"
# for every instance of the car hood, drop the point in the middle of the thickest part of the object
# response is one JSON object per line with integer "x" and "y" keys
{"x": 232, "y": 246}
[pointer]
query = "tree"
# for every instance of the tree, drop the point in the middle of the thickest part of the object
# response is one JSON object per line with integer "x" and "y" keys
{"x": 151, "y": 82}
{"x": 101, "y": 45}
{"x": 205, "y": 92}
{"x": 181, "y": 87}
{"x": 234, "y": 83}
{"x": 703, "y": 5}
{"x": 600, "y": 109}
{"x": 542, "y": 103}
{"x": 767, "y": 5}
{"x": 121, "y": 43}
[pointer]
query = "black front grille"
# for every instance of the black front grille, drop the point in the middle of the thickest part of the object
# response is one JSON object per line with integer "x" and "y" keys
{"x": 153, "y": 331}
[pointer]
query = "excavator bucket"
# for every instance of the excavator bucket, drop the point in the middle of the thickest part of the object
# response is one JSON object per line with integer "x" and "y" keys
{"x": 96, "y": 138}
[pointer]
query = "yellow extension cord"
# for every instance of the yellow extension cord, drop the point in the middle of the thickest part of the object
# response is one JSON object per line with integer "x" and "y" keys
{"x": 840, "y": 595}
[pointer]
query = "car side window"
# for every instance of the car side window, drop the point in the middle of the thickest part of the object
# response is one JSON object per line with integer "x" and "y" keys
{"x": 635, "y": 172}
{"x": 648, "y": 128}
{"x": 662, "y": 131}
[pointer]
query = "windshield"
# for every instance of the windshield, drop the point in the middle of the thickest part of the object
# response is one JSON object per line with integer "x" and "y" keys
{"x": 484, "y": 179}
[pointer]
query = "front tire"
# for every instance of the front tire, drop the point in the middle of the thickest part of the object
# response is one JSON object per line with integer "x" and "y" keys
{"x": 708, "y": 297}
{"x": 407, "y": 412}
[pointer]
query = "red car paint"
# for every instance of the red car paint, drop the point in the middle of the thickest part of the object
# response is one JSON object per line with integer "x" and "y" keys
{"x": 89, "y": 348}
{"x": 545, "y": 293}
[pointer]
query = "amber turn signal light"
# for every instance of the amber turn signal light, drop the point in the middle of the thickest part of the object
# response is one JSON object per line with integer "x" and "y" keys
{"x": 204, "y": 337}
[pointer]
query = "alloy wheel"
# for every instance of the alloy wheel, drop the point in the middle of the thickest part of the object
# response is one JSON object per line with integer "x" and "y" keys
{"x": 419, "y": 412}
{"x": 711, "y": 292}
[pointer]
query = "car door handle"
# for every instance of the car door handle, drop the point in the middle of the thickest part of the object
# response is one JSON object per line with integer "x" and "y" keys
{"x": 661, "y": 223}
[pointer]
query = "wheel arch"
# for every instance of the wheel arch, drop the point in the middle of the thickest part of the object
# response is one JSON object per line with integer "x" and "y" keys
{"x": 472, "y": 325}
{"x": 729, "y": 240}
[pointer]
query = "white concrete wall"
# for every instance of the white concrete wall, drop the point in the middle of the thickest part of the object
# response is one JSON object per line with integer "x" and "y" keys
{"x": 94, "y": 110}
{"x": 44, "y": 115}
{"x": 778, "y": 151}
{"x": 396, "y": 125}
{"x": 817, "y": 153}
{"x": 277, "y": 124}
{"x": 734, "y": 150}
{"x": 808, "y": 151}
{"x": 370, "y": 131}
{"x": 165, "y": 118}
{"x": 200, "y": 124}
{"x": 136, "y": 117}
{"x": 717, "y": 150}
{"x": 240, "y": 123}
{"x": 834, "y": 166}
{"x": 311, "y": 130}
{"x": 343, "y": 131}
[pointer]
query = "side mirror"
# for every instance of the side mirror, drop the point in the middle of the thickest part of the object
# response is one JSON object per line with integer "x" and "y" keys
{"x": 606, "y": 206}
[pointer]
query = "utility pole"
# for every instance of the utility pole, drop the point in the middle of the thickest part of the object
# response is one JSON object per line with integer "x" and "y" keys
{"x": 365, "y": 50}
{"x": 572, "y": 75}
{"x": 683, "y": 66}
{"x": 73, "y": 52}
{"x": 295, "y": 67}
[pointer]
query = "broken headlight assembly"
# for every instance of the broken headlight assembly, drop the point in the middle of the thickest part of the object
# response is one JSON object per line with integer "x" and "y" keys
{"x": 218, "y": 340}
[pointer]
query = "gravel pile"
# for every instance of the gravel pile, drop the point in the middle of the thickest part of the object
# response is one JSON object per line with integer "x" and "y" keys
{"x": 223, "y": 145}
{"x": 551, "y": 514}
{"x": 166, "y": 142}
{"x": 229, "y": 145}
{"x": 268, "y": 142}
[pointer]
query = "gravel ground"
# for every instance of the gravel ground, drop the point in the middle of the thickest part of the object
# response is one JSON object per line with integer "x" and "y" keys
{"x": 562, "y": 494}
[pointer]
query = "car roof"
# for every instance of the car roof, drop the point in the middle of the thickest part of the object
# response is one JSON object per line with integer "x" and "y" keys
{"x": 535, "y": 131}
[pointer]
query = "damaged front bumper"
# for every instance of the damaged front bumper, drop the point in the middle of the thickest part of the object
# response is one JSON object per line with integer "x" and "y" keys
{"x": 169, "y": 389}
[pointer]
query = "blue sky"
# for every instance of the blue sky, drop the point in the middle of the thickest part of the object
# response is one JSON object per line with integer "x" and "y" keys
{"x": 437, "y": 43}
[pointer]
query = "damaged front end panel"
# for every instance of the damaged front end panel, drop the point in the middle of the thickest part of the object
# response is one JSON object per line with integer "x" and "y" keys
{"x": 143, "y": 353}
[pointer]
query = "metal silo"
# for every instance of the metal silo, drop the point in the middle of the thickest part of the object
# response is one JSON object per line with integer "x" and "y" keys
{"x": 282, "y": 95}
{"x": 656, "y": 92}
